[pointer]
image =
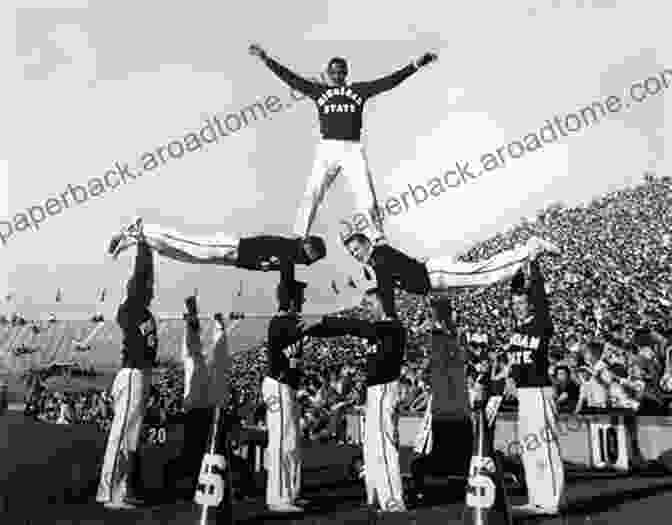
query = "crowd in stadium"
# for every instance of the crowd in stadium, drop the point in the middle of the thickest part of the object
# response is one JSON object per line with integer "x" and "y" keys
{"x": 90, "y": 407}
{"x": 610, "y": 293}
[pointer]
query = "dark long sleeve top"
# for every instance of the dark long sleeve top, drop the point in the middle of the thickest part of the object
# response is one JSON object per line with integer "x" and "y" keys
{"x": 284, "y": 350}
{"x": 528, "y": 351}
{"x": 340, "y": 108}
{"x": 385, "y": 349}
{"x": 253, "y": 251}
{"x": 137, "y": 323}
{"x": 394, "y": 268}
{"x": 449, "y": 390}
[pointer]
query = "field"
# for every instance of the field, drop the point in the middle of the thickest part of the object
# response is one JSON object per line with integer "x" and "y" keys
{"x": 46, "y": 465}
{"x": 598, "y": 501}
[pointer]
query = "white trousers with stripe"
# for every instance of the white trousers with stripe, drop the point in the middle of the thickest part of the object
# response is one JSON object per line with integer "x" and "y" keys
{"x": 538, "y": 435}
{"x": 129, "y": 393}
{"x": 283, "y": 454}
{"x": 334, "y": 157}
{"x": 381, "y": 448}
{"x": 220, "y": 249}
{"x": 446, "y": 273}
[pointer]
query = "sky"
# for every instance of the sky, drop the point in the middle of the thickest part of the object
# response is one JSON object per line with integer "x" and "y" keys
{"x": 95, "y": 83}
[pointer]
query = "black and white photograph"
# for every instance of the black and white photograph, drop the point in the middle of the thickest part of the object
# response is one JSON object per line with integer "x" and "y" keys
{"x": 336, "y": 262}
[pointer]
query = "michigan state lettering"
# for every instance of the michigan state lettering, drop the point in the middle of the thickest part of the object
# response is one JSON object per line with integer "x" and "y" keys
{"x": 525, "y": 341}
{"x": 339, "y": 92}
{"x": 520, "y": 357}
{"x": 339, "y": 108}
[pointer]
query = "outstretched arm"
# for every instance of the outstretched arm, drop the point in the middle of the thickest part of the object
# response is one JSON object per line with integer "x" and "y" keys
{"x": 142, "y": 279}
{"x": 293, "y": 80}
{"x": 538, "y": 298}
{"x": 336, "y": 326}
{"x": 375, "y": 87}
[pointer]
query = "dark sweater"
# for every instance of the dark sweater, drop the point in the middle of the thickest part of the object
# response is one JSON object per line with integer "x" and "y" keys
{"x": 284, "y": 350}
{"x": 138, "y": 326}
{"x": 528, "y": 351}
{"x": 394, "y": 268}
{"x": 340, "y": 108}
{"x": 140, "y": 341}
{"x": 253, "y": 251}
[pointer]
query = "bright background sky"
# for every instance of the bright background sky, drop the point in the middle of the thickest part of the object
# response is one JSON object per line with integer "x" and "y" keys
{"x": 108, "y": 81}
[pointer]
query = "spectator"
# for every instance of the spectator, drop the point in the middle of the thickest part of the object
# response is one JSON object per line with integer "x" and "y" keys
{"x": 619, "y": 396}
{"x": 644, "y": 389}
{"x": 593, "y": 394}
{"x": 565, "y": 390}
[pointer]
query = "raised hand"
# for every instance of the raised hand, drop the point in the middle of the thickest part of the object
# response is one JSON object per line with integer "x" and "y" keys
{"x": 425, "y": 59}
{"x": 257, "y": 51}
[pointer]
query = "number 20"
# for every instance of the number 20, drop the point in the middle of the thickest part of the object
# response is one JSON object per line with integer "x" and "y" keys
{"x": 157, "y": 437}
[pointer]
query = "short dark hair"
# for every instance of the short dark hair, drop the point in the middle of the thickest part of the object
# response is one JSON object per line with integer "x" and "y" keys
{"x": 357, "y": 236}
{"x": 317, "y": 244}
{"x": 338, "y": 60}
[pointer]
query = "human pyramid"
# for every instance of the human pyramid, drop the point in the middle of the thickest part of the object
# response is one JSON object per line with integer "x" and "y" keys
{"x": 340, "y": 152}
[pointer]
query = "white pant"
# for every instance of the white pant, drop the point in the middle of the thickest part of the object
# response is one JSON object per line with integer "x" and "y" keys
{"x": 538, "y": 435}
{"x": 221, "y": 249}
{"x": 381, "y": 448}
{"x": 424, "y": 439}
{"x": 129, "y": 393}
{"x": 446, "y": 272}
{"x": 283, "y": 454}
{"x": 333, "y": 157}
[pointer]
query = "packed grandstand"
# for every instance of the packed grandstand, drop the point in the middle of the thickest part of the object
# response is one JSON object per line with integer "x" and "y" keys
{"x": 610, "y": 290}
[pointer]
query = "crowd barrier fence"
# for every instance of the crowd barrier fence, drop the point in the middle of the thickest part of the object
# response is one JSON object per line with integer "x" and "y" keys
{"x": 615, "y": 440}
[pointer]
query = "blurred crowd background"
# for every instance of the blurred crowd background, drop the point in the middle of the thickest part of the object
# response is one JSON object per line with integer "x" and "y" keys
{"x": 610, "y": 293}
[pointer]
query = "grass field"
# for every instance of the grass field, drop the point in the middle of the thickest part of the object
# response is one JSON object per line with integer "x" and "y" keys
{"x": 46, "y": 465}
{"x": 602, "y": 501}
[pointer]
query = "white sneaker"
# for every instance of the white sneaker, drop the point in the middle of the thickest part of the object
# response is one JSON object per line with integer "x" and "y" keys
{"x": 125, "y": 238}
{"x": 135, "y": 227}
{"x": 533, "y": 509}
{"x": 284, "y": 508}
{"x": 119, "y": 243}
{"x": 119, "y": 505}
